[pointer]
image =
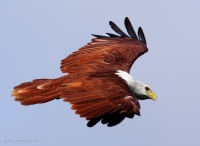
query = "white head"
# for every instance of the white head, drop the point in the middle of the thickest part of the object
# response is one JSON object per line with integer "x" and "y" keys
{"x": 139, "y": 89}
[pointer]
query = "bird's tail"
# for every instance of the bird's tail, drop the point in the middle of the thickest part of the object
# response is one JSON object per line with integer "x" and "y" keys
{"x": 37, "y": 91}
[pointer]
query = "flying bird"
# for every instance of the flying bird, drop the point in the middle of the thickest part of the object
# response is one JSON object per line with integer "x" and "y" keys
{"x": 97, "y": 84}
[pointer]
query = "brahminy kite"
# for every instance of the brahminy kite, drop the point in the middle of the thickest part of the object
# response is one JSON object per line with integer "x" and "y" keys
{"x": 97, "y": 84}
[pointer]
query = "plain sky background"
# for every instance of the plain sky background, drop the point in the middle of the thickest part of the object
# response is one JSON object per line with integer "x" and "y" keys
{"x": 35, "y": 35}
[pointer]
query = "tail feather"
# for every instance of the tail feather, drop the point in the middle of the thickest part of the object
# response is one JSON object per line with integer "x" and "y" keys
{"x": 37, "y": 91}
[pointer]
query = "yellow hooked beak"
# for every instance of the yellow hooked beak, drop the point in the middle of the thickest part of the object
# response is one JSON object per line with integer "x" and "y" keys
{"x": 151, "y": 95}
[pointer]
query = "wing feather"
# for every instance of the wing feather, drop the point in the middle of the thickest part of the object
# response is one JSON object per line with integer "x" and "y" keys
{"x": 118, "y": 118}
{"x": 112, "y": 35}
{"x": 130, "y": 29}
{"x": 99, "y": 93}
{"x": 117, "y": 29}
{"x": 104, "y": 54}
{"x": 141, "y": 36}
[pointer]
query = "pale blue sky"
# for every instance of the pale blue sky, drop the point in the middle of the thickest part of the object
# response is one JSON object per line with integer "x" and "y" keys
{"x": 35, "y": 35}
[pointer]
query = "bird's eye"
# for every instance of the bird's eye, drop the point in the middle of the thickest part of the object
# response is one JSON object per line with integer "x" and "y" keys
{"x": 147, "y": 88}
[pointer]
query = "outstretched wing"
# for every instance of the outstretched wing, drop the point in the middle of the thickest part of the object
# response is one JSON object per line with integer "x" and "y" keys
{"x": 100, "y": 95}
{"x": 107, "y": 53}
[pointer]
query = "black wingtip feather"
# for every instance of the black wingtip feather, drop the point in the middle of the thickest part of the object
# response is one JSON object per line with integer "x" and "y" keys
{"x": 94, "y": 121}
{"x": 111, "y": 119}
{"x": 129, "y": 115}
{"x": 99, "y": 36}
{"x": 141, "y": 36}
{"x": 117, "y": 29}
{"x": 116, "y": 119}
{"x": 130, "y": 29}
{"x": 112, "y": 35}
{"x": 107, "y": 118}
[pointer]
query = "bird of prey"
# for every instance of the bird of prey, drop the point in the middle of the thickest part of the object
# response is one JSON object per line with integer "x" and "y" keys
{"x": 97, "y": 84}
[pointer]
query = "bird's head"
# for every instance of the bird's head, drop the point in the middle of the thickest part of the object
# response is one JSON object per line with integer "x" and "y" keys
{"x": 139, "y": 89}
{"x": 143, "y": 91}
